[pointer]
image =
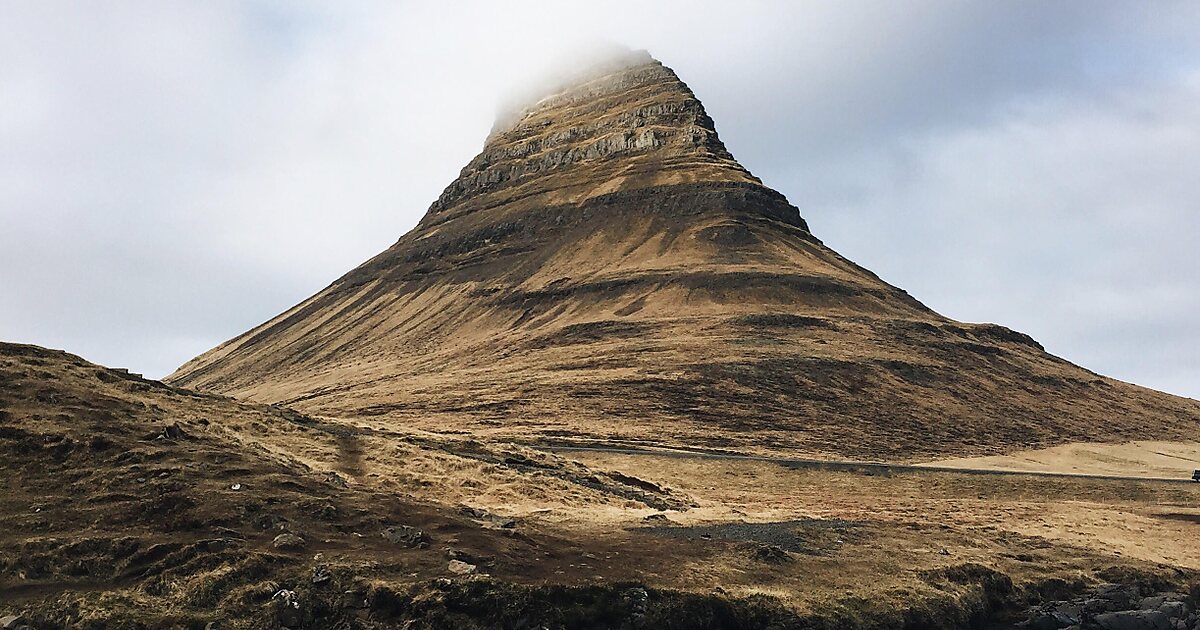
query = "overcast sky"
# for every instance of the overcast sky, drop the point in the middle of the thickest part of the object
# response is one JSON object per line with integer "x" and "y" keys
{"x": 172, "y": 174}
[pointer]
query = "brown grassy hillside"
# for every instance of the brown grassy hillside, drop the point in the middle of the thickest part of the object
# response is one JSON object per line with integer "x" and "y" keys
{"x": 126, "y": 503}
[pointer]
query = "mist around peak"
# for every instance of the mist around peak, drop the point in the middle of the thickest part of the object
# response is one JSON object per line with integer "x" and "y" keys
{"x": 560, "y": 71}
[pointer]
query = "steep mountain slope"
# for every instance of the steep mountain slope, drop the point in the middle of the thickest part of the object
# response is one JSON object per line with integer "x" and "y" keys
{"x": 605, "y": 269}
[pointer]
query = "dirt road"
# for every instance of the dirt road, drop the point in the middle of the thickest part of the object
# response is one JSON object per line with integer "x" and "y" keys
{"x": 880, "y": 468}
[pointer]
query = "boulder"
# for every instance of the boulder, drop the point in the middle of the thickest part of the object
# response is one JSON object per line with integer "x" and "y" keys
{"x": 355, "y": 598}
{"x": 287, "y": 608}
{"x": 321, "y": 574}
{"x": 406, "y": 536}
{"x": 636, "y": 601}
{"x": 1111, "y": 598}
{"x": 12, "y": 622}
{"x": 1055, "y": 616}
{"x": 1174, "y": 609}
{"x": 1154, "y": 601}
{"x": 1133, "y": 620}
{"x": 1173, "y": 605}
{"x": 287, "y": 542}
{"x": 771, "y": 554}
{"x": 173, "y": 432}
{"x": 337, "y": 480}
{"x": 458, "y": 567}
{"x": 489, "y": 520}
{"x": 470, "y": 558}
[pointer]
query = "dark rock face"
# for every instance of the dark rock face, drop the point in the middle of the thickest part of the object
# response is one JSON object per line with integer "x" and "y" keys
{"x": 605, "y": 269}
{"x": 1134, "y": 620}
{"x": 1115, "y": 607}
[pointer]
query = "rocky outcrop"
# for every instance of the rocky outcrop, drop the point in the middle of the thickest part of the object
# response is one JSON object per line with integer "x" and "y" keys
{"x": 1115, "y": 607}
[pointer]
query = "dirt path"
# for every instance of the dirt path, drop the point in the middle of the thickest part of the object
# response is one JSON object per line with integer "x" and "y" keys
{"x": 849, "y": 465}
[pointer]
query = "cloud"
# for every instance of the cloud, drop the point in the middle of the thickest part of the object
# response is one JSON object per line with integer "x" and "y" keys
{"x": 1073, "y": 220}
{"x": 172, "y": 174}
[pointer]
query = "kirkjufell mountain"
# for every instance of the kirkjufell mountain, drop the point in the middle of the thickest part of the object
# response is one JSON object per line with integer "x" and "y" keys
{"x": 605, "y": 270}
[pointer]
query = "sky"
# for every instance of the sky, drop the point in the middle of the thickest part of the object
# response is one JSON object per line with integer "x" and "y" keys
{"x": 175, "y": 173}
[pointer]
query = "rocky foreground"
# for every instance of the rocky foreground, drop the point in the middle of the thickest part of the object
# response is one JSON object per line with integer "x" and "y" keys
{"x": 128, "y": 503}
{"x": 1116, "y": 607}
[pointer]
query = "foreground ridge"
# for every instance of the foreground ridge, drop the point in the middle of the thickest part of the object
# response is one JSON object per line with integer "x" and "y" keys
{"x": 138, "y": 504}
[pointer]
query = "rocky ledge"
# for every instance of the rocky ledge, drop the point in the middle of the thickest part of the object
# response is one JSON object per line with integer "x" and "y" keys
{"x": 1115, "y": 607}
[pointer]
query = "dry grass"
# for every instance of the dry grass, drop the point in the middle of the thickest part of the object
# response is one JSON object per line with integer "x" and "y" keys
{"x": 1140, "y": 458}
{"x": 102, "y": 521}
{"x": 1138, "y": 519}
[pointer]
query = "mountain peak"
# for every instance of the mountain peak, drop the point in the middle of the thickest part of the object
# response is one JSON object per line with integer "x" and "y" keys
{"x": 568, "y": 78}
{"x": 622, "y": 122}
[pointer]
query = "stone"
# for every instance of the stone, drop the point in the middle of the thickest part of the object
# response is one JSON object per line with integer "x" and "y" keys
{"x": 458, "y": 567}
{"x": 173, "y": 432}
{"x": 337, "y": 480}
{"x": 1066, "y": 613}
{"x": 1173, "y": 605}
{"x": 1174, "y": 609}
{"x": 1133, "y": 620}
{"x": 355, "y": 598}
{"x": 287, "y": 608}
{"x": 1055, "y": 617}
{"x": 12, "y": 622}
{"x": 406, "y": 536}
{"x": 287, "y": 542}
{"x": 489, "y": 520}
{"x": 772, "y": 554}
{"x": 321, "y": 574}
{"x": 1124, "y": 596}
{"x": 636, "y": 600}
{"x": 1044, "y": 621}
{"x": 469, "y": 558}
{"x": 1111, "y": 598}
{"x": 1154, "y": 601}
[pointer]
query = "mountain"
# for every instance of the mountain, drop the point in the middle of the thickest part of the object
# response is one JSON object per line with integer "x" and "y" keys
{"x": 605, "y": 270}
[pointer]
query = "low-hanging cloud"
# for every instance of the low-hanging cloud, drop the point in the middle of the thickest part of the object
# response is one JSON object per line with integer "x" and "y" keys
{"x": 172, "y": 174}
